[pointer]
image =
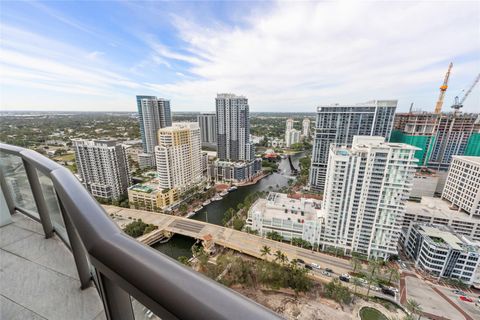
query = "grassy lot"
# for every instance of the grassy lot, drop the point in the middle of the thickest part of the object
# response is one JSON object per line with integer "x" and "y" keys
{"x": 65, "y": 157}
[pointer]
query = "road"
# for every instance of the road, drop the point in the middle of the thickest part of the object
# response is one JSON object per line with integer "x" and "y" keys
{"x": 240, "y": 241}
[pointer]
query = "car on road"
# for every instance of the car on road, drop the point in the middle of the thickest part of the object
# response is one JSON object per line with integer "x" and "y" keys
{"x": 329, "y": 270}
{"x": 326, "y": 273}
{"x": 467, "y": 299}
{"x": 388, "y": 291}
{"x": 344, "y": 279}
{"x": 314, "y": 265}
{"x": 459, "y": 292}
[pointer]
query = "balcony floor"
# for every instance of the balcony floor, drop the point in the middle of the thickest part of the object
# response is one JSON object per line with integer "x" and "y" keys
{"x": 38, "y": 278}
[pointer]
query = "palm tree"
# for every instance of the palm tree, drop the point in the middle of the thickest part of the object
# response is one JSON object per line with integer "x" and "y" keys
{"x": 373, "y": 268}
{"x": 266, "y": 251}
{"x": 393, "y": 274}
{"x": 356, "y": 282}
{"x": 414, "y": 307}
{"x": 284, "y": 258}
{"x": 356, "y": 263}
{"x": 278, "y": 255}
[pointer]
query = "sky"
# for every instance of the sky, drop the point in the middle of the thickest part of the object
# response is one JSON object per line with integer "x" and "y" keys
{"x": 283, "y": 56}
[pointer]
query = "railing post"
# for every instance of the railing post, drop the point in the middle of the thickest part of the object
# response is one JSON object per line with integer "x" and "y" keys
{"x": 6, "y": 193}
{"x": 37, "y": 192}
{"x": 78, "y": 251}
{"x": 116, "y": 302}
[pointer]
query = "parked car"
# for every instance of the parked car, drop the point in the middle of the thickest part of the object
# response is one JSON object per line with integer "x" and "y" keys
{"x": 463, "y": 298}
{"x": 343, "y": 278}
{"x": 394, "y": 289}
{"x": 459, "y": 292}
{"x": 308, "y": 267}
{"x": 388, "y": 291}
{"x": 329, "y": 270}
{"x": 300, "y": 261}
{"x": 314, "y": 265}
{"x": 326, "y": 273}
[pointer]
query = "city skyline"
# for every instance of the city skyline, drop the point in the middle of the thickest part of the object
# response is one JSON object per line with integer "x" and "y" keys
{"x": 90, "y": 64}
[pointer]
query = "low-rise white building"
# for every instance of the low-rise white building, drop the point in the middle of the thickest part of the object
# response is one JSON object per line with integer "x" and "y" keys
{"x": 437, "y": 211}
{"x": 292, "y": 218}
{"x": 462, "y": 188}
{"x": 441, "y": 252}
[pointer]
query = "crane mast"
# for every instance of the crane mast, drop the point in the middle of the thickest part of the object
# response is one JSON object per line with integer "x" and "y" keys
{"x": 443, "y": 88}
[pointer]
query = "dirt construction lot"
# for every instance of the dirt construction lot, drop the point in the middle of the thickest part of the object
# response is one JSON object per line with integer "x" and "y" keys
{"x": 433, "y": 303}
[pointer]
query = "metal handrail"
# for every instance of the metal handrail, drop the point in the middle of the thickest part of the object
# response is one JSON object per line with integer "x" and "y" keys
{"x": 169, "y": 289}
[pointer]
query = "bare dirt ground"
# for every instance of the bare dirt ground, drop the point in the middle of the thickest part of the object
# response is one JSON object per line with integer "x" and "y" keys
{"x": 306, "y": 306}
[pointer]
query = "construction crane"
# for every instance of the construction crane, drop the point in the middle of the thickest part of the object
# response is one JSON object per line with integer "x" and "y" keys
{"x": 459, "y": 102}
{"x": 443, "y": 88}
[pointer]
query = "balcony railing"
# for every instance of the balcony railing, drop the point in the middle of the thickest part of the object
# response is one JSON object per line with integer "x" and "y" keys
{"x": 125, "y": 272}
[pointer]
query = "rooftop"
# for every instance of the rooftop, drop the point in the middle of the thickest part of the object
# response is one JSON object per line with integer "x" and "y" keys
{"x": 444, "y": 236}
{"x": 475, "y": 160}
{"x": 438, "y": 208}
{"x": 277, "y": 203}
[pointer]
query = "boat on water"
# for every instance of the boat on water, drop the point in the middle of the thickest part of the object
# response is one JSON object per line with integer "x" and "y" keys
{"x": 206, "y": 202}
{"x": 190, "y": 214}
{"x": 198, "y": 208}
{"x": 223, "y": 193}
{"x": 231, "y": 189}
{"x": 216, "y": 197}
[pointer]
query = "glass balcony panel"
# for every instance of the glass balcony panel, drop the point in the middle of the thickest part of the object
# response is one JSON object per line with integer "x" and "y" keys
{"x": 16, "y": 179}
{"x": 51, "y": 200}
{"x": 141, "y": 312}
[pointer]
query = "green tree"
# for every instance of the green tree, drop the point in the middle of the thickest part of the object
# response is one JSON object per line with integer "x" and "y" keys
{"x": 184, "y": 260}
{"x": 414, "y": 307}
{"x": 278, "y": 255}
{"x": 355, "y": 263}
{"x": 373, "y": 269}
{"x": 273, "y": 235}
{"x": 336, "y": 291}
{"x": 356, "y": 282}
{"x": 393, "y": 274}
{"x": 266, "y": 251}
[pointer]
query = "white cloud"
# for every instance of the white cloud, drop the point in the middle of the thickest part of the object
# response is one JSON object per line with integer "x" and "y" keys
{"x": 32, "y": 63}
{"x": 304, "y": 54}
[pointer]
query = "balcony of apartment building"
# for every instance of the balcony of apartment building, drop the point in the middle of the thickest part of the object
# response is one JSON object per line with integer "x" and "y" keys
{"x": 62, "y": 257}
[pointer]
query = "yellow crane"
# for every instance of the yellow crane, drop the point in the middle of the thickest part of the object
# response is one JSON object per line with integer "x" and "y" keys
{"x": 443, "y": 88}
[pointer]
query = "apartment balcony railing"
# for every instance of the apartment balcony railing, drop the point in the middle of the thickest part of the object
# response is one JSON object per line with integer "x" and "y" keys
{"x": 124, "y": 271}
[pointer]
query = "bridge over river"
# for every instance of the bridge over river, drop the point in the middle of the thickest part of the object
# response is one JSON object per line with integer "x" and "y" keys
{"x": 240, "y": 241}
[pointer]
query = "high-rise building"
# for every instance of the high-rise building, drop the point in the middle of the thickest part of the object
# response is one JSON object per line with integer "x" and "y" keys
{"x": 103, "y": 167}
{"x": 289, "y": 124}
{"x": 153, "y": 114}
{"x": 462, "y": 188}
{"x": 233, "y": 128}
{"x": 439, "y": 136}
{"x": 179, "y": 156}
{"x": 306, "y": 127}
{"x": 366, "y": 189}
{"x": 208, "y": 129}
{"x": 292, "y": 136}
{"x": 338, "y": 124}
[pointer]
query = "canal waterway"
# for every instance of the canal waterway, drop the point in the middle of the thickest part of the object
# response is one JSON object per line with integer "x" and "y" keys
{"x": 214, "y": 212}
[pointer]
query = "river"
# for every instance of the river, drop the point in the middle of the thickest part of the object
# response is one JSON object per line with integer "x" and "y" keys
{"x": 180, "y": 245}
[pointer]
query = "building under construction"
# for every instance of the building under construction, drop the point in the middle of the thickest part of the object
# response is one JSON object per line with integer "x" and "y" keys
{"x": 440, "y": 136}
